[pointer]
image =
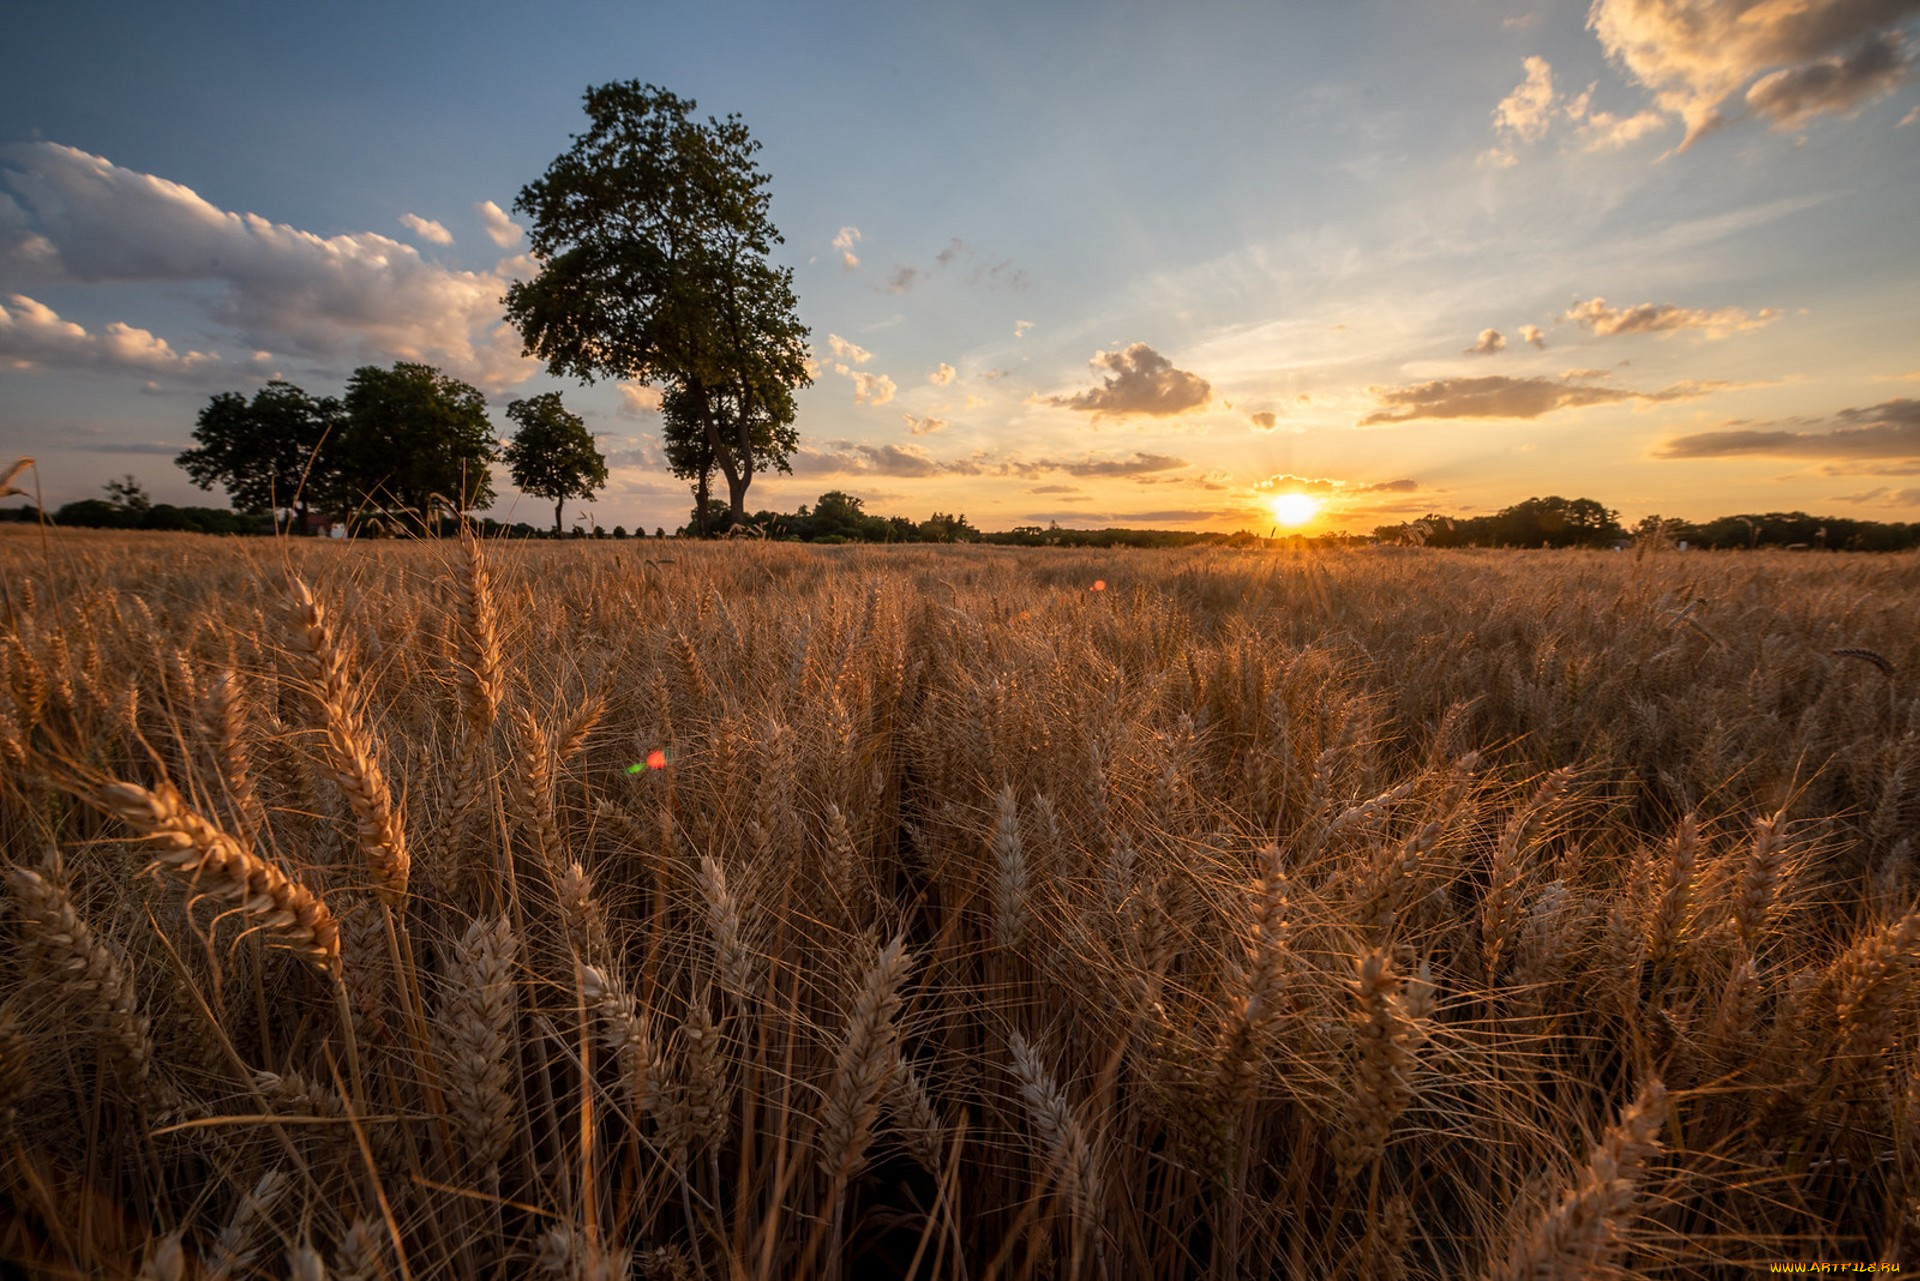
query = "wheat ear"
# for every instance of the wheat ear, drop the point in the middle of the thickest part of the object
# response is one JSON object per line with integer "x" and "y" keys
{"x": 1581, "y": 1236}
{"x": 478, "y": 1016}
{"x": 479, "y": 642}
{"x": 216, "y": 864}
{"x": 87, "y": 969}
{"x": 352, "y": 750}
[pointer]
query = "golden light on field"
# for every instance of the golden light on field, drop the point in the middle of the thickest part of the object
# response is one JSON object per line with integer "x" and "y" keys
{"x": 1295, "y": 509}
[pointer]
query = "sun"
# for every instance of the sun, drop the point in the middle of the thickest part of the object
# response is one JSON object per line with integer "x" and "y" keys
{"x": 1295, "y": 509}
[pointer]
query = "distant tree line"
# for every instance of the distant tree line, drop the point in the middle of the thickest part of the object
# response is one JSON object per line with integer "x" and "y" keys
{"x": 1584, "y": 522}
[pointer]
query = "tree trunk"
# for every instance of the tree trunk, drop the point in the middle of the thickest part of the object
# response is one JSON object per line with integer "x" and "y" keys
{"x": 737, "y": 497}
{"x": 558, "y": 503}
{"x": 300, "y": 515}
{"x": 700, "y": 494}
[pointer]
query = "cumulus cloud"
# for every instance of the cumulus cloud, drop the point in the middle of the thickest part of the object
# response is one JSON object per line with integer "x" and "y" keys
{"x": 1532, "y": 336}
{"x": 33, "y": 336}
{"x": 1798, "y": 58}
{"x": 1489, "y": 341}
{"x": 943, "y": 375}
{"x": 847, "y": 238}
{"x": 639, "y": 398}
{"x": 848, "y": 351}
{"x": 363, "y": 295}
{"x": 869, "y": 389}
{"x": 1265, "y": 419}
{"x": 500, "y": 229}
{"x": 1890, "y": 429}
{"x": 1665, "y": 317}
{"x": 427, "y": 229}
{"x": 924, "y": 426}
{"x": 1502, "y": 397}
{"x": 1139, "y": 381}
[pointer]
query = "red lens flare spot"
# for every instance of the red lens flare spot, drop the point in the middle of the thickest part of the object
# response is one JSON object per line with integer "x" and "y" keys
{"x": 657, "y": 759}
{"x": 1099, "y": 584}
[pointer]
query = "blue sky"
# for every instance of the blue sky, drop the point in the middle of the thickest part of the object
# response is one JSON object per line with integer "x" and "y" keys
{"x": 1105, "y": 264}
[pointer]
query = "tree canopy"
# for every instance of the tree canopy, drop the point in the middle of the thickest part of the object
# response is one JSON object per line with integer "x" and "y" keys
{"x": 414, "y": 433}
{"x": 266, "y": 453}
{"x": 553, "y": 455}
{"x": 653, "y": 239}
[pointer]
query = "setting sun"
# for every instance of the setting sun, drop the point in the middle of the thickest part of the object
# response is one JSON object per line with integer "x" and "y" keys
{"x": 1295, "y": 509}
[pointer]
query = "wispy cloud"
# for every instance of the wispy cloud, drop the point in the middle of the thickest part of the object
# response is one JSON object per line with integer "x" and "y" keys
{"x": 926, "y": 426}
{"x": 844, "y": 241}
{"x": 848, "y": 351}
{"x": 1890, "y": 429}
{"x": 1501, "y": 397}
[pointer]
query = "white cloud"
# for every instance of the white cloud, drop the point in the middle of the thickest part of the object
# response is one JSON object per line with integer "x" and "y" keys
{"x": 32, "y": 336}
{"x": 1797, "y": 58}
{"x": 924, "y": 426}
{"x": 848, "y": 351}
{"x": 869, "y": 389}
{"x": 427, "y": 229}
{"x": 362, "y": 296}
{"x": 1020, "y": 328}
{"x": 943, "y": 375}
{"x": 1527, "y": 111}
{"x": 844, "y": 242}
{"x": 637, "y": 399}
{"x": 500, "y": 229}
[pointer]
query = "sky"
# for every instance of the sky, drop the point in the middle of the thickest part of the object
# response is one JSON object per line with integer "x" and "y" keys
{"x": 1116, "y": 264}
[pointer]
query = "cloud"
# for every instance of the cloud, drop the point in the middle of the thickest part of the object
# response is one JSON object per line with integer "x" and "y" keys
{"x": 1532, "y": 335}
{"x": 1913, "y": 114}
{"x": 1056, "y": 489}
{"x": 32, "y": 336}
{"x": 901, "y": 279}
{"x": 1501, "y": 397}
{"x": 847, "y": 238}
{"x": 1489, "y": 341}
{"x": 1526, "y": 113}
{"x": 427, "y": 229}
{"x": 943, "y": 375}
{"x": 1811, "y": 56}
{"x": 154, "y": 448}
{"x": 1142, "y": 463}
{"x": 362, "y": 296}
{"x": 1139, "y": 381}
{"x": 1389, "y": 487}
{"x": 1265, "y": 420}
{"x": 848, "y": 351}
{"x": 500, "y": 229}
{"x": 1285, "y": 483}
{"x": 868, "y": 389}
{"x": 845, "y": 457}
{"x": 955, "y": 248}
{"x": 1882, "y": 497}
{"x": 1890, "y": 429}
{"x": 1660, "y": 318}
{"x": 1020, "y": 328}
{"x": 1792, "y": 96}
{"x": 924, "y": 426}
{"x": 638, "y": 398}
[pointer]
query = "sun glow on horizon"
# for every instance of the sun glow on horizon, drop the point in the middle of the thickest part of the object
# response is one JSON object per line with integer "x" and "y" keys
{"x": 1294, "y": 509}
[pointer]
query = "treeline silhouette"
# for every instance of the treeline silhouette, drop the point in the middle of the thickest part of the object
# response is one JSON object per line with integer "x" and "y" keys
{"x": 839, "y": 517}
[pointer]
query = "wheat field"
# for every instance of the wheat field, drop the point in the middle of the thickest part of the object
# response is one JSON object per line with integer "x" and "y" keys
{"x": 667, "y": 910}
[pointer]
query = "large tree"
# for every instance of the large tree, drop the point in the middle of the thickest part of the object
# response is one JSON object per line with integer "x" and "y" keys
{"x": 653, "y": 241}
{"x": 553, "y": 454}
{"x": 270, "y": 453}
{"x": 414, "y": 434}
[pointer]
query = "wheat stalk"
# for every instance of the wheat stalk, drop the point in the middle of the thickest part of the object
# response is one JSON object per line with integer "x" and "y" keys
{"x": 477, "y": 1016}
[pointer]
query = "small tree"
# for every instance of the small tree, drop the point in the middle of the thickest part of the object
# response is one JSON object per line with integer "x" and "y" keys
{"x": 553, "y": 456}
{"x": 127, "y": 494}
{"x": 271, "y": 453}
{"x": 412, "y": 434}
